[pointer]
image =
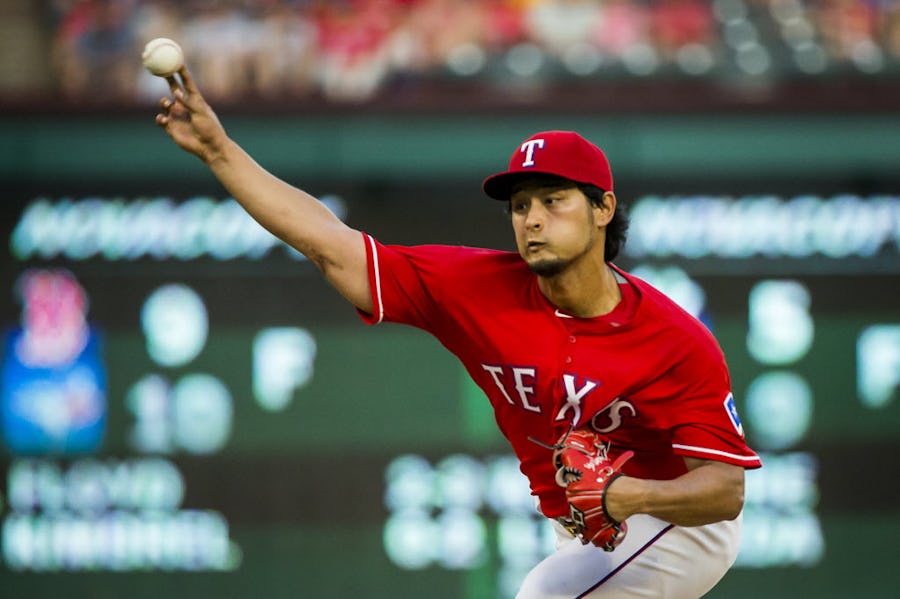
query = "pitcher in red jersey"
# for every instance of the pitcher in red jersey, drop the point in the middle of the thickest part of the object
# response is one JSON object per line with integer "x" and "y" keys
{"x": 559, "y": 339}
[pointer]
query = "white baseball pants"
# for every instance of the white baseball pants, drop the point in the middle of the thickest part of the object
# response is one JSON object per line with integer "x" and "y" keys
{"x": 656, "y": 560}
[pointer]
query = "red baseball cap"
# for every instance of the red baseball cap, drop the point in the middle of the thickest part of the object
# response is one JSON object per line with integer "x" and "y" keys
{"x": 562, "y": 153}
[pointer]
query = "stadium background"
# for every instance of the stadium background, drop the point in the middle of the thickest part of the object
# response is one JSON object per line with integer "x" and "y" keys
{"x": 199, "y": 415}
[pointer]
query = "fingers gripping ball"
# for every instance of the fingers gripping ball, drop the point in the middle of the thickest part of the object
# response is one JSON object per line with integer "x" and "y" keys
{"x": 584, "y": 469}
{"x": 162, "y": 57}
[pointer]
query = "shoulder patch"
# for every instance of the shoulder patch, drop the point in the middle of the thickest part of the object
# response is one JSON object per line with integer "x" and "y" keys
{"x": 731, "y": 409}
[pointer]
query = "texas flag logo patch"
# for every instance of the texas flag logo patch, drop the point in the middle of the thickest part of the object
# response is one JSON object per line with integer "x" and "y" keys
{"x": 731, "y": 409}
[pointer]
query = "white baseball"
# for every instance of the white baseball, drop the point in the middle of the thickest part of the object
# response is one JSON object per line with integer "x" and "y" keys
{"x": 162, "y": 56}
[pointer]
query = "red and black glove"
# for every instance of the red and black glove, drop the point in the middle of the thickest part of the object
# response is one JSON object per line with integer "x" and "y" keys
{"x": 584, "y": 469}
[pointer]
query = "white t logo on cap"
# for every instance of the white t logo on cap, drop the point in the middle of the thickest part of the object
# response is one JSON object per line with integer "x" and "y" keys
{"x": 528, "y": 147}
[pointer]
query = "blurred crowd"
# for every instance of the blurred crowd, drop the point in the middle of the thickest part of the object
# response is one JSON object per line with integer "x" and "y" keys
{"x": 350, "y": 50}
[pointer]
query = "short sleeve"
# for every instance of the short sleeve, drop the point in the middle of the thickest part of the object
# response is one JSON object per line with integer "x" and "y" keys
{"x": 706, "y": 424}
{"x": 402, "y": 283}
{"x": 715, "y": 434}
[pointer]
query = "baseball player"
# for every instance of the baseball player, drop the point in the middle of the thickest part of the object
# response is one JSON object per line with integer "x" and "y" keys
{"x": 616, "y": 401}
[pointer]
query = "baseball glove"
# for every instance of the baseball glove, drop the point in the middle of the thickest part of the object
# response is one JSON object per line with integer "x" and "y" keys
{"x": 584, "y": 469}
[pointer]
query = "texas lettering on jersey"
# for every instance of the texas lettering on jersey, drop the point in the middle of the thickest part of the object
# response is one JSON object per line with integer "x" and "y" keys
{"x": 521, "y": 392}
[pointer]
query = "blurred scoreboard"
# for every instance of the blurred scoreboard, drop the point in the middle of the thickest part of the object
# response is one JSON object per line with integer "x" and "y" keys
{"x": 188, "y": 408}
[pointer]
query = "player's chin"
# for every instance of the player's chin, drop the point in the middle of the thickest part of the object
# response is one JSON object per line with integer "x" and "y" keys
{"x": 547, "y": 267}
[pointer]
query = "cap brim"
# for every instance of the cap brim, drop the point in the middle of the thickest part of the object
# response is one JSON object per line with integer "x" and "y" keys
{"x": 499, "y": 186}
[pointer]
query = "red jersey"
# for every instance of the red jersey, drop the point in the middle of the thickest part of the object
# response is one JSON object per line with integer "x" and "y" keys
{"x": 648, "y": 376}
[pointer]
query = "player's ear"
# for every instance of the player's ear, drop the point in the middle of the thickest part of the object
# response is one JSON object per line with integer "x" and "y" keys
{"x": 605, "y": 209}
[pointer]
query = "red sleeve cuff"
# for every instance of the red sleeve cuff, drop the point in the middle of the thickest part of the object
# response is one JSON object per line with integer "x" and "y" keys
{"x": 374, "y": 274}
{"x": 749, "y": 461}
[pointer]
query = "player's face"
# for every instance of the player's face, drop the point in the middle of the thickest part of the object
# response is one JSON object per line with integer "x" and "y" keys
{"x": 555, "y": 226}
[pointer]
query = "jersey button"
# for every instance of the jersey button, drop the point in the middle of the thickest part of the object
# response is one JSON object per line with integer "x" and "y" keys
{"x": 572, "y": 339}
{"x": 568, "y": 359}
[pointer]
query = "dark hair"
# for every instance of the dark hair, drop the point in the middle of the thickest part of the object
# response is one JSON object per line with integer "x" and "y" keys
{"x": 617, "y": 229}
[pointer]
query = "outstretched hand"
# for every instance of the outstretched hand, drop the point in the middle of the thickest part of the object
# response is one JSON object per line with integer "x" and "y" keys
{"x": 189, "y": 120}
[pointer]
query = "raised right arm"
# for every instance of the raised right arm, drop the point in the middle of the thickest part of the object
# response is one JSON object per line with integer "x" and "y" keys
{"x": 289, "y": 213}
